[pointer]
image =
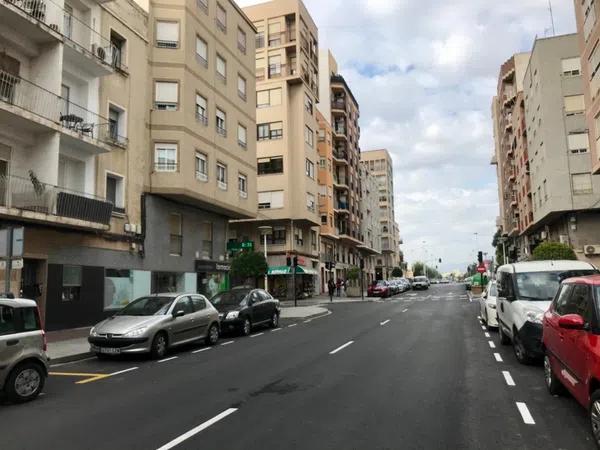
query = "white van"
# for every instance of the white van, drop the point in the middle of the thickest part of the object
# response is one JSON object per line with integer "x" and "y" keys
{"x": 525, "y": 291}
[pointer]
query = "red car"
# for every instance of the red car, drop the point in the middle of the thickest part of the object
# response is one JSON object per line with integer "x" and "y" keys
{"x": 380, "y": 289}
{"x": 571, "y": 340}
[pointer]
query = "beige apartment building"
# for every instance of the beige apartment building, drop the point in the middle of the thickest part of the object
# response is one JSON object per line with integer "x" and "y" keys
{"x": 587, "y": 13}
{"x": 370, "y": 223}
{"x": 379, "y": 162}
{"x": 287, "y": 78}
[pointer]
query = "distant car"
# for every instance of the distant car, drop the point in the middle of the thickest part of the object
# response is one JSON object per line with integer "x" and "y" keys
{"x": 572, "y": 350}
{"x": 468, "y": 283}
{"x": 379, "y": 289}
{"x": 154, "y": 323}
{"x": 404, "y": 284}
{"x": 420, "y": 283}
{"x": 487, "y": 305}
{"x": 242, "y": 308}
{"x": 396, "y": 286}
{"x": 23, "y": 359}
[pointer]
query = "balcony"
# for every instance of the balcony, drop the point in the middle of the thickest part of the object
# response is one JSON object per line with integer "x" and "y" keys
{"x": 30, "y": 199}
{"x": 281, "y": 71}
{"x": 26, "y": 105}
{"x": 282, "y": 38}
{"x": 339, "y": 130}
{"x": 340, "y": 156}
{"x": 338, "y": 105}
{"x": 340, "y": 182}
{"x": 40, "y": 23}
{"x": 341, "y": 207}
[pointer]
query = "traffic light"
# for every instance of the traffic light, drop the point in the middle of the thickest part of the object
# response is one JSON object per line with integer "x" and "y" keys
{"x": 440, "y": 260}
{"x": 288, "y": 261}
{"x": 480, "y": 257}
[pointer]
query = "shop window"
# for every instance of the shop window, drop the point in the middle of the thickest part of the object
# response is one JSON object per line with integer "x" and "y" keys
{"x": 71, "y": 283}
{"x": 118, "y": 288}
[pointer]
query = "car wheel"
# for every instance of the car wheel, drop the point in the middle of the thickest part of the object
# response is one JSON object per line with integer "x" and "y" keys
{"x": 595, "y": 416}
{"x": 520, "y": 351}
{"x": 159, "y": 345}
{"x": 553, "y": 384}
{"x": 274, "y": 320}
{"x": 504, "y": 339}
{"x": 246, "y": 327}
{"x": 25, "y": 382}
{"x": 212, "y": 337}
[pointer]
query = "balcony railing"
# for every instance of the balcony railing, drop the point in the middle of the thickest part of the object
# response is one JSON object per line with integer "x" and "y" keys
{"x": 281, "y": 70}
{"x": 339, "y": 129}
{"x": 42, "y": 198}
{"x": 19, "y": 92}
{"x": 338, "y": 104}
{"x": 281, "y": 38}
{"x": 75, "y": 30}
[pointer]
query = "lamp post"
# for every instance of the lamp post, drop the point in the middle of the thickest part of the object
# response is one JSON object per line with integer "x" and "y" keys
{"x": 265, "y": 231}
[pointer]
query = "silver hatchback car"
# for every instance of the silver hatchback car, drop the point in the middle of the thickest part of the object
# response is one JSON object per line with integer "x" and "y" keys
{"x": 154, "y": 323}
{"x": 23, "y": 359}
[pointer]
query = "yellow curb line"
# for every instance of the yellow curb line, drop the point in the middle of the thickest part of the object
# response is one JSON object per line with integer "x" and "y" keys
{"x": 89, "y": 377}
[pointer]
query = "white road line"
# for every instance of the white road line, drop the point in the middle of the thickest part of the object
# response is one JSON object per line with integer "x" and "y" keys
{"x": 167, "y": 359}
{"x": 478, "y": 317}
{"x": 333, "y": 352}
{"x": 404, "y": 310}
{"x": 483, "y": 327}
{"x": 487, "y": 335}
{"x": 292, "y": 325}
{"x": 384, "y": 322}
{"x": 275, "y": 329}
{"x": 227, "y": 343}
{"x": 525, "y": 414}
{"x": 257, "y": 334}
{"x": 122, "y": 371}
{"x": 308, "y": 321}
{"x": 198, "y": 429}
{"x": 498, "y": 357}
{"x": 508, "y": 378}
{"x": 492, "y": 345}
{"x": 202, "y": 350}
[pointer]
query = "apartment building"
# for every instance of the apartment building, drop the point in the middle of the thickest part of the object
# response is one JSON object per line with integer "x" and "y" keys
{"x": 379, "y": 162}
{"x": 370, "y": 223}
{"x": 287, "y": 78}
{"x": 511, "y": 153}
{"x": 565, "y": 194}
{"x": 588, "y": 27}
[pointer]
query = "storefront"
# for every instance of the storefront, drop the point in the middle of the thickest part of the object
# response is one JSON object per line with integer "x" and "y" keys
{"x": 282, "y": 282}
{"x": 212, "y": 276}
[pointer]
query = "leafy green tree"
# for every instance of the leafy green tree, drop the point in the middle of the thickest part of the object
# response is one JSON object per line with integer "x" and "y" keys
{"x": 396, "y": 272}
{"x": 553, "y": 251}
{"x": 249, "y": 265}
{"x": 353, "y": 273}
{"x": 418, "y": 269}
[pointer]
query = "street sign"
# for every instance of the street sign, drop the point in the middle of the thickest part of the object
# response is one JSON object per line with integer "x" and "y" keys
{"x": 481, "y": 269}
{"x": 235, "y": 246}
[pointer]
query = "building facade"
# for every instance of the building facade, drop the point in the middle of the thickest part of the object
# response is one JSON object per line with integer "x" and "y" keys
{"x": 370, "y": 223}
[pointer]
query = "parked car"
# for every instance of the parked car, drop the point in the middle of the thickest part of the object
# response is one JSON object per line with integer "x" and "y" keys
{"x": 420, "y": 283}
{"x": 23, "y": 359}
{"x": 154, "y": 323}
{"x": 379, "y": 289}
{"x": 487, "y": 305}
{"x": 242, "y": 308}
{"x": 525, "y": 290}
{"x": 572, "y": 350}
{"x": 404, "y": 285}
{"x": 468, "y": 283}
{"x": 396, "y": 286}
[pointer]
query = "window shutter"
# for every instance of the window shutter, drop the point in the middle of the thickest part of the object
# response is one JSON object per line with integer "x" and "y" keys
{"x": 571, "y": 65}
{"x": 166, "y": 91}
{"x": 578, "y": 141}
{"x": 201, "y": 48}
{"x": 574, "y": 103}
{"x": 167, "y": 31}
{"x": 277, "y": 199}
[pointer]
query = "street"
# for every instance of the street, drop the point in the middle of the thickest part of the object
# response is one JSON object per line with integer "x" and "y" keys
{"x": 415, "y": 371}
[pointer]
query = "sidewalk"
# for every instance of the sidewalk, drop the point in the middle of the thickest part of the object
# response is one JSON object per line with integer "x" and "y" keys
{"x": 324, "y": 300}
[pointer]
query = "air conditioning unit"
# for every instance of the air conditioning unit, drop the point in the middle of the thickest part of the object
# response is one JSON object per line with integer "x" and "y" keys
{"x": 563, "y": 239}
{"x": 591, "y": 249}
{"x": 128, "y": 227}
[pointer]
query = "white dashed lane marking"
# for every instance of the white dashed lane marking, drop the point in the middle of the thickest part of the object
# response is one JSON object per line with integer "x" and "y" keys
{"x": 384, "y": 322}
{"x": 167, "y": 359}
{"x": 508, "y": 378}
{"x": 498, "y": 357}
{"x": 227, "y": 343}
{"x": 491, "y": 344}
{"x": 341, "y": 347}
{"x": 525, "y": 414}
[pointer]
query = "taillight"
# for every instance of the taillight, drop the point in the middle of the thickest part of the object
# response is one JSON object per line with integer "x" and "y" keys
{"x": 45, "y": 341}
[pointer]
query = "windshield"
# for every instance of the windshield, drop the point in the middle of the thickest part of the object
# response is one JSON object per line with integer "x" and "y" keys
{"x": 233, "y": 298}
{"x": 147, "y": 306}
{"x": 542, "y": 286}
{"x": 381, "y": 283}
{"x": 420, "y": 279}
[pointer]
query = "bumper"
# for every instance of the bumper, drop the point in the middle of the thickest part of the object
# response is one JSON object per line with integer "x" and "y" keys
{"x": 492, "y": 317}
{"x": 231, "y": 324}
{"x": 107, "y": 345}
{"x": 531, "y": 336}
{"x": 420, "y": 286}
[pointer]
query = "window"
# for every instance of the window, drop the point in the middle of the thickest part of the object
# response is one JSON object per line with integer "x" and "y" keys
{"x": 323, "y": 220}
{"x": 275, "y": 66}
{"x": 175, "y": 234}
{"x": 221, "y": 18}
{"x": 582, "y": 183}
{"x": 274, "y": 34}
{"x": 114, "y": 192}
{"x": 242, "y": 136}
{"x": 71, "y": 283}
{"x": 571, "y": 66}
{"x": 310, "y": 169}
{"x": 545, "y": 185}
{"x": 8, "y": 321}
{"x": 166, "y": 95}
{"x": 310, "y": 202}
{"x": 260, "y": 36}
{"x": 201, "y": 166}
{"x": 313, "y": 239}
{"x": 299, "y": 236}
{"x": 270, "y": 165}
{"x": 201, "y": 51}
{"x": 221, "y": 69}
{"x": 270, "y": 97}
{"x": 241, "y": 87}
{"x": 574, "y": 105}
{"x": 578, "y": 142}
{"x": 267, "y": 131}
{"x": 589, "y": 19}
{"x": 65, "y": 94}
{"x": 118, "y": 44}
{"x": 278, "y": 237}
{"x": 30, "y": 319}
{"x": 270, "y": 200}
{"x": 579, "y": 302}
{"x": 165, "y": 157}
{"x": 199, "y": 303}
{"x": 243, "y": 185}
{"x": 308, "y": 135}
{"x": 203, "y": 5}
{"x": 206, "y": 233}
{"x": 117, "y": 127}
{"x": 222, "y": 176}
{"x": 167, "y": 34}
{"x": 221, "y": 123}
{"x": 308, "y": 105}
{"x": 241, "y": 40}
{"x": 201, "y": 110}
{"x": 67, "y": 21}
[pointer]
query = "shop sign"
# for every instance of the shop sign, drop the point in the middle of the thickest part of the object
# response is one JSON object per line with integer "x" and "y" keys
{"x": 212, "y": 266}
{"x": 234, "y": 246}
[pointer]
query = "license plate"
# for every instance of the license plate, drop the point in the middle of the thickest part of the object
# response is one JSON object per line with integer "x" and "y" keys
{"x": 110, "y": 351}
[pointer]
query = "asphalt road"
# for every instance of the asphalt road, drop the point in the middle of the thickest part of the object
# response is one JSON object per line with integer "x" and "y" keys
{"x": 412, "y": 372}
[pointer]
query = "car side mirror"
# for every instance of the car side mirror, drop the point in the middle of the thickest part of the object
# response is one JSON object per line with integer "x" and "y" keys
{"x": 484, "y": 294}
{"x": 179, "y": 313}
{"x": 572, "y": 322}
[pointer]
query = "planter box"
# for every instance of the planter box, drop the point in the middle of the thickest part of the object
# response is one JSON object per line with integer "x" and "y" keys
{"x": 353, "y": 291}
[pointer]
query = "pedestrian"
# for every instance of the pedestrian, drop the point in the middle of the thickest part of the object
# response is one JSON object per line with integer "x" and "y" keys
{"x": 331, "y": 289}
{"x": 338, "y": 285}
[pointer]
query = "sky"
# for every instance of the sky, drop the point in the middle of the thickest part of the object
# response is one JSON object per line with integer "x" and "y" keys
{"x": 424, "y": 73}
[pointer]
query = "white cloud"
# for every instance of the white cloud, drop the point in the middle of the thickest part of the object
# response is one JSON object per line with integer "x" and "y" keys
{"x": 452, "y": 52}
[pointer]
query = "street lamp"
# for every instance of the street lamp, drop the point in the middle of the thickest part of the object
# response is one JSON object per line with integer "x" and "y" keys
{"x": 266, "y": 230}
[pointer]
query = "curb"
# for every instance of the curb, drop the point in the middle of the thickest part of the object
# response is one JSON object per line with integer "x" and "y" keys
{"x": 70, "y": 358}
{"x": 313, "y": 317}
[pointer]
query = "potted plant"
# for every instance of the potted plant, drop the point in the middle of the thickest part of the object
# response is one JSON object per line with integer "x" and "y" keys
{"x": 353, "y": 282}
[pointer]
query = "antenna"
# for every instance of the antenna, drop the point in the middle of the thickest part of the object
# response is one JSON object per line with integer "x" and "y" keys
{"x": 551, "y": 17}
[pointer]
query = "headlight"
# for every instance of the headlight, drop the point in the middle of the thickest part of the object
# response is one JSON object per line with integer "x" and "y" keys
{"x": 93, "y": 332}
{"x": 232, "y": 315}
{"x": 534, "y": 316}
{"x": 137, "y": 332}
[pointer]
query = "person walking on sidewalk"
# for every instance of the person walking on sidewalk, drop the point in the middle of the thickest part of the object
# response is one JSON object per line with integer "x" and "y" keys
{"x": 338, "y": 285}
{"x": 331, "y": 289}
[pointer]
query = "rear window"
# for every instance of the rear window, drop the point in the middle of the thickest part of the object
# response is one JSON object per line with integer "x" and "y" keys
{"x": 8, "y": 321}
{"x": 31, "y": 319}
{"x": 18, "y": 320}
{"x": 420, "y": 279}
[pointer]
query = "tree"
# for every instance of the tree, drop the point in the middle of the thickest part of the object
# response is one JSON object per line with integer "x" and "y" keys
{"x": 396, "y": 272}
{"x": 353, "y": 273}
{"x": 499, "y": 247}
{"x": 553, "y": 251}
{"x": 418, "y": 269}
{"x": 249, "y": 265}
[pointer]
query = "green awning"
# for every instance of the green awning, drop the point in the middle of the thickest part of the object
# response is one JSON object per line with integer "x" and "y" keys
{"x": 285, "y": 270}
